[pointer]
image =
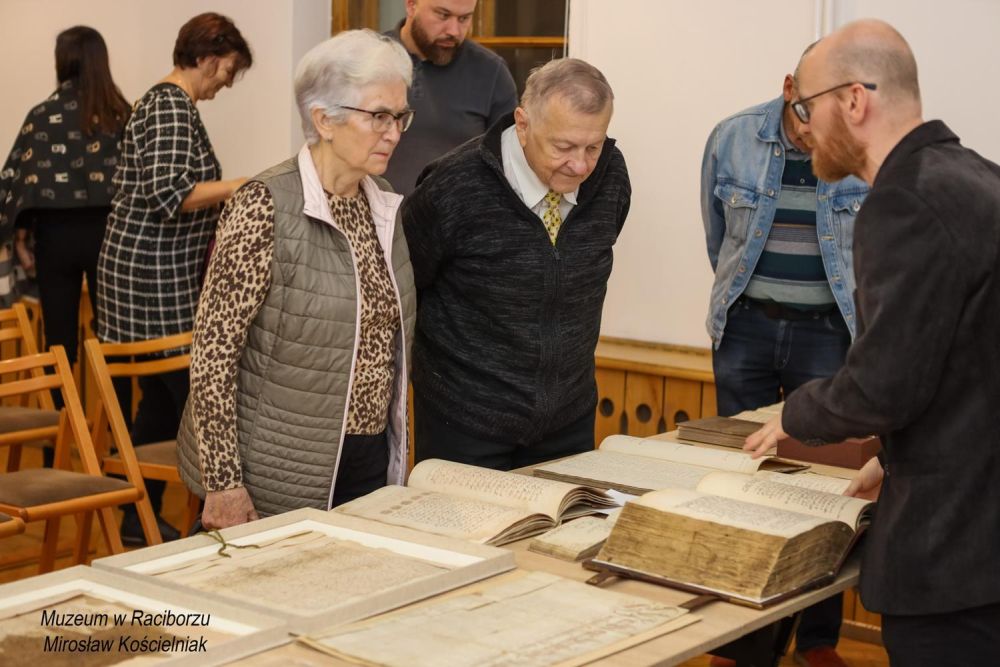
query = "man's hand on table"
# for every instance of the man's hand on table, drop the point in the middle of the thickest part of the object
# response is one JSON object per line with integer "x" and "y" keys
{"x": 761, "y": 442}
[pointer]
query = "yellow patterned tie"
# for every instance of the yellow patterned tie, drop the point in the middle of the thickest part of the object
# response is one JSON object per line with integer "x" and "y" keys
{"x": 552, "y": 217}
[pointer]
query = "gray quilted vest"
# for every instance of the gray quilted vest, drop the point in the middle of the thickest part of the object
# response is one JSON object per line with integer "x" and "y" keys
{"x": 292, "y": 386}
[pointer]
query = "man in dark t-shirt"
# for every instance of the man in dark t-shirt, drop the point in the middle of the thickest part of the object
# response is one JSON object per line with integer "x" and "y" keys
{"x": 459, "y": 87}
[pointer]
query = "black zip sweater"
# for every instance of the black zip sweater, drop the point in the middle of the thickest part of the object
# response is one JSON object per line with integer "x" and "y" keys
{"x": 507, "y": 323}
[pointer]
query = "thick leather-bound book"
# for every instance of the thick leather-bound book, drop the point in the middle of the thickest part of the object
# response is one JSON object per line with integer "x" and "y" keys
{"x": 745, "y": 539}
{"x": 723, "y": 431}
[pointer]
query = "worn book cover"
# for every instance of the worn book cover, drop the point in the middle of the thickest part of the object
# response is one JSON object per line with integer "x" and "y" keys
{"x": 750, "y": 540}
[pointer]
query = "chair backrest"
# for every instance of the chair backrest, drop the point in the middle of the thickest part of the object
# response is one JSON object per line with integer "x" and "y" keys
{"x": 108, "y": 413}
{"x": 39, "y": 384}
{"x": 16, "y": 332}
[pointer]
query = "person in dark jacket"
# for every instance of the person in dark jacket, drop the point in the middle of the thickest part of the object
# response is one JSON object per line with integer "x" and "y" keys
{"x": 56, "y": 183}
{"x": 924, "y": 371}
{"x": 511, "y": 239}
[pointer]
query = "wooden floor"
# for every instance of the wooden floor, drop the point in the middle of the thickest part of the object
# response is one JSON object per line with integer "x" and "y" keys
{"x": 25, "y": 547}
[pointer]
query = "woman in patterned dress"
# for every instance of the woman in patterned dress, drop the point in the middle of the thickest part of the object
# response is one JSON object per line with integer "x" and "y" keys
{"x": 167, "y": 202}
{"x": 299, "y": 361}
{"x": 56, "y": 184}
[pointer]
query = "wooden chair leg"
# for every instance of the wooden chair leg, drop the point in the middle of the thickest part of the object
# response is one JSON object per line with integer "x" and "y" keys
{"x": 47, "y": 560}
{"x": 191, "y": 514}
{"x": 148, "y": 520}
{"x": 84, "y": 522}
{"x": 109, "y": 527}
{"x": 13, "y": 458}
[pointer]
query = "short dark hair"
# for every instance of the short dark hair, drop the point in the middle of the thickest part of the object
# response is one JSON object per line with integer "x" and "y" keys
{"x": 211, "y": 34}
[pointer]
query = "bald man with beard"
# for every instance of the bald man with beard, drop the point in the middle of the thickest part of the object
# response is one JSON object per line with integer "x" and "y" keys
{"x": 924, "y": 371}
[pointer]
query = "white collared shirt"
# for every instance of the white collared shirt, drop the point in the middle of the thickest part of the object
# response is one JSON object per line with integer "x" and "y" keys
{"x": 524, "y": 181}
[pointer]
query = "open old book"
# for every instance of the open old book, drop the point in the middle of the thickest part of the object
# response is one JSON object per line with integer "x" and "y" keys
{"x": 749, "y": 539}
{"x": 478, "y": 504}
{"x": 637, "y": 465}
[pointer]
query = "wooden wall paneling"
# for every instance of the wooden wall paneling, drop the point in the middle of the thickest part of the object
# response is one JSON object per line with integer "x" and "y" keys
{"x": 644, "y": 404}
{"x": 681, "y": 401}
{"x": 709, "y": 407}
{"x": 610, "y": 403}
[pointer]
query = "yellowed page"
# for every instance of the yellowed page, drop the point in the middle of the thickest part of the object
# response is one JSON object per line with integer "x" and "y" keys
{"x": 634, "y": 474}
{"x": 572, "y": 540}
{"x": 807, "y": 480}
{"x": 530, "y": 494}
{"x": 538, "y": 619}
{"x": 300, "y": 574}
{"x": 438, "y": 513}
{"x": 677, "y": 452}
{"x": 770, "y": 493}
{"x": 731, "y": 512}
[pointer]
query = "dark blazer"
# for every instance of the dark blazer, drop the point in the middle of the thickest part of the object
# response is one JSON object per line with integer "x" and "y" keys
{"x": 507, "y": 323}
{"x": 924, "y": 373}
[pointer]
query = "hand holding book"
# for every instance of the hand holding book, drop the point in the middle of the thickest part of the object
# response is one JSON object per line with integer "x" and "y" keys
{"x": 868, "y": 482}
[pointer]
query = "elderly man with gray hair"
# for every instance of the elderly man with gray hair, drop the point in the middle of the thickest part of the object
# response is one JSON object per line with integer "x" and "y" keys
{"x": 511, "y": 238}
{"x": 298, "y": 365}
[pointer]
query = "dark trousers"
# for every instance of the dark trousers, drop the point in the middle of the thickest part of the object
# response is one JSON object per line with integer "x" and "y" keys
{"x": 364, "y": 464}
{"x": 762, "y": 360}
{"x": 67, "y": 244}
{"x": 439, "y": 438}
{"x": 157, "y": 418}
{"x": 966, "y": 637}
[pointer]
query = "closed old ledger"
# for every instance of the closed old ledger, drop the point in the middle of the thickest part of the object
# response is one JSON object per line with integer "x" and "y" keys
{"x": 636, "y": 465}
{"x": 745, "y": 538}
{"x": 723, "y": 431}
{"x": 477, "y": 504}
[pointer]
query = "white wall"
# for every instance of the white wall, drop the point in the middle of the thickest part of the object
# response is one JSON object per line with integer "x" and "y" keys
{"x": 252, "y": 126}
{"x": 679, "y": 67}
{"x": 955, "y": 44}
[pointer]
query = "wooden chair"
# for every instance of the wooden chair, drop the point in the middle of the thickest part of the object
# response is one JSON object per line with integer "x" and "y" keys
{"x": 10, "y": 525}
{"x": 157, "y": 460}
{"x": 23, "y": 423}
{"x": 48, "y": 494}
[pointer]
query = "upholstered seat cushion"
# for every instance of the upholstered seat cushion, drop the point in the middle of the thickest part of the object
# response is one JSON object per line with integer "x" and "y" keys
{"x": 15, "y": 418}
{"x": 40, "y": 486}
{"x": 157, "y": 453}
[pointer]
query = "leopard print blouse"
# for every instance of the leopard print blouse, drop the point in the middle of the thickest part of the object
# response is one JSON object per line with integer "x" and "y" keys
{"x": 237, "y": 284}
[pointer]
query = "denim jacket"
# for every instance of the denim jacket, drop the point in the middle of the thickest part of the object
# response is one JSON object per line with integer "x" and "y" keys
{"x": 740, "y": 181}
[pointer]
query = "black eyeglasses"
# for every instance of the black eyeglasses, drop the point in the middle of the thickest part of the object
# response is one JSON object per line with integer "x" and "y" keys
{"x": 802, "y": 111}
{"x": 383, "y": 120}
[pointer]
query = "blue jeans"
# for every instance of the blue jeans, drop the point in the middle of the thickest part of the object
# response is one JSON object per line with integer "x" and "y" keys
{"x": 760, "y": 361}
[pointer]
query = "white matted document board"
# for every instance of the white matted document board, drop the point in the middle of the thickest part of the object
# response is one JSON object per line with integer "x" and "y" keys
{"x": 82, "y": 611}
{"x": 309, "y": 564}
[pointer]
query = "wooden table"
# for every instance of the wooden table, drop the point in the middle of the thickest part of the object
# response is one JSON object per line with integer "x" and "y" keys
{"x": 751, "y": 636}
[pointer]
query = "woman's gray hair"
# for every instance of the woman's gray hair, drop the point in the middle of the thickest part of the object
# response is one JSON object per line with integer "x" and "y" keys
{"x": 579, "y": 82}
{"x": 333, "y": 73}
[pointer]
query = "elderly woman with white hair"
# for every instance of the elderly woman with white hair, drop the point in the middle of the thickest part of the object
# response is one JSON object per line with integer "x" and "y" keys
{"x": 301, "y": 341}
